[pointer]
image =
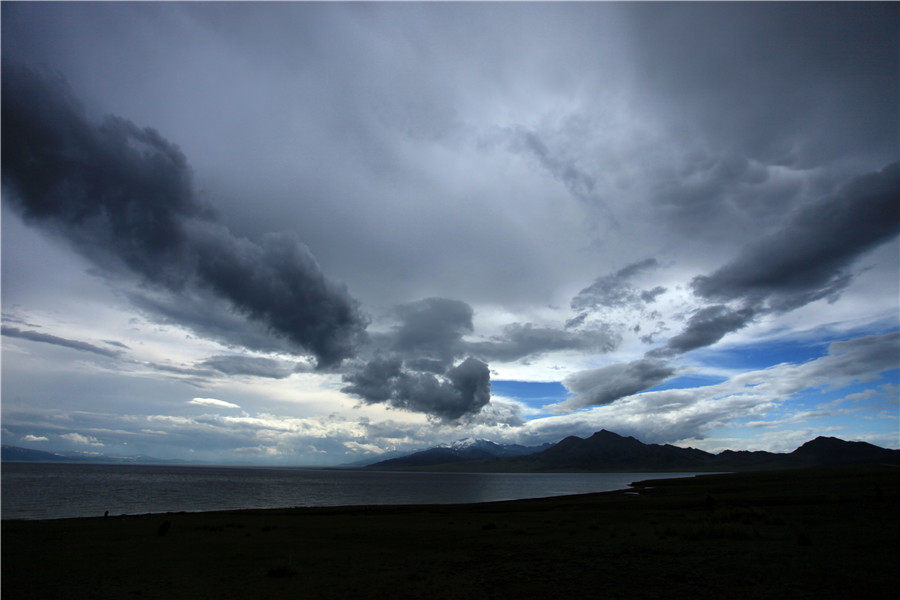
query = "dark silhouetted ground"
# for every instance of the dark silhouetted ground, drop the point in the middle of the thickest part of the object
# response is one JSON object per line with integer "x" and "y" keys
{"x": 788, "y": 534}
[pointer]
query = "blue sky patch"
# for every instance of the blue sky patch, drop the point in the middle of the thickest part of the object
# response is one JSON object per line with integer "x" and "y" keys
{"x": 533, "y": 393}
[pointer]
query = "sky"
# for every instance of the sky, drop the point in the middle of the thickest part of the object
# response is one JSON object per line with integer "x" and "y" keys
{"x": 315, "y": 234}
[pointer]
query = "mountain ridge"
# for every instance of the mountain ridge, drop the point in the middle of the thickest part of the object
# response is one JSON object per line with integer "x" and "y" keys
{"x": 18, "y": 454}
{"x": 606, "y": 451}
{"x": 464, "y": 450}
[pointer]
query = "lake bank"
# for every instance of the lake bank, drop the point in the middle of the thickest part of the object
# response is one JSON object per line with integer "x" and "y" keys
{"x": 771, "y": 534}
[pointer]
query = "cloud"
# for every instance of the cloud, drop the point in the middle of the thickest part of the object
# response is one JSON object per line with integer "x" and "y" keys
{"x": 689, "y": 414}
{"x": 256, "y": 366}
{"x": 578, "y": 182}
{"x": 123, "y": 197}
{"x": 212, "y": 402}
{"x": 431, "y": 331}
{"x": 607, "y": 384}
{"x": 613, "y": 291}
{"x": 116, "y": 344}
{"x": 77, "y": 438}
{"x": 667, "y": 416}
{"x": 649, "y": 296}
{"x": 34, "y": 438}
{"x": 807, "y": 259}
{"x": 519, "y": 340}
{"x": 356, "y": 447}
{"x": 37, "y": 336}
{"x": 462, "y": 390}
{"x": 784, "y": 84}
{"x": 707, "y": 326}
{"x": 432, "y": 328}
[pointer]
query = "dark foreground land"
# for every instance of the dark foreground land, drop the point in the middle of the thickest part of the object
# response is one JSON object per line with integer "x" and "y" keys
{"x": 789, "y": 534}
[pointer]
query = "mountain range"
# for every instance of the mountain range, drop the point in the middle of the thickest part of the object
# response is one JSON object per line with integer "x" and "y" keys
{"x": 606, "y": 451}
{"x": 465, "y": 450}
{"x": 18, "y": 454}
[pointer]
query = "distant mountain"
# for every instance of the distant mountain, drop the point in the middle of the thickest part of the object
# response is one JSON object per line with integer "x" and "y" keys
{"x": 17, "y": 454}
{"x": 835, "y": 451}
{"x": 610, "y": 452}
{"x": 465, "y": 450}
{"x": 606, "y": 450}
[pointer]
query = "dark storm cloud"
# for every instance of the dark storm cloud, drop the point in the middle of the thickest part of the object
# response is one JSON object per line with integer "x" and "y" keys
{"x": 807, "y": 260}
{"x": 613, "y": 290}
{"x": 604, "y": 385}
{"x": 207, "y": 315}
{"x": 37, "y": 336}
{"x": 123, "y": 197}
{"x": 432, "y": 328}
{"x": 425, "y": 364}
{"x": 464, "y": 390}
{"x": 707, "y": 326}
{"x": 430, "y": 336}
{"x": 256, "y": 366}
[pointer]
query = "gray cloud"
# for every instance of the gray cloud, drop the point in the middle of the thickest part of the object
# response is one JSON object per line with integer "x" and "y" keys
{"x": 123, "y": 197}
{"x": 649, "y": 296}
{"x": 430, "y": 336}
{"x": 784, "y": 83}
{"x": 596, "y": 387}
{"x": 116, "y": 344}
{"x": 256, "y": 366}
{"x": 576, "y": 321}
{"x": 196, "y": 374}
{"x": 613, "y": 290}
{"x": 579, "y": 183}
{"x": 708, "y": 325}
{"x": 519, "y": 340}
{"x": 807, "y": 259}
{"x": 432, "y": 328}
{"x": 464, "y": 390}
{"x": 37, "y": 336}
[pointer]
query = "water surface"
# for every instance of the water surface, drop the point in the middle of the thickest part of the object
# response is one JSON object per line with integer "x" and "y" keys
{"x": 50, "y": 490}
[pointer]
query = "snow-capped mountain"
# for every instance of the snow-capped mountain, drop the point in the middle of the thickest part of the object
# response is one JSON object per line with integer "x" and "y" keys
{"x": 458, "y": 451}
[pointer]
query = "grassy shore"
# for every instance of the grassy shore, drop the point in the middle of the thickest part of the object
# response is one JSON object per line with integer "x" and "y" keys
{"x": 790, "y": 534}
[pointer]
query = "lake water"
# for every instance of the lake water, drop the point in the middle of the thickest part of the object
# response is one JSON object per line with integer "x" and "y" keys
{"x": 50, "y": 491}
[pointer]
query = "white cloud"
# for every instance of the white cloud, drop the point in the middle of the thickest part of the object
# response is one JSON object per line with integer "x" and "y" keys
{"x": 77, "y": 438}
{"x": 34, "y": 438}
{"x": 364, "y": 448}
{"x": 213, "y": 402}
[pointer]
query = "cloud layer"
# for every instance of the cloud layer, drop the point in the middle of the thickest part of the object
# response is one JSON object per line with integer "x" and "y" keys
{"x": 123, "y": 197}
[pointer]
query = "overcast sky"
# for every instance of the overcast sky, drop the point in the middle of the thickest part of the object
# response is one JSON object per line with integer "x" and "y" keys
{"x": 320, "y": 233}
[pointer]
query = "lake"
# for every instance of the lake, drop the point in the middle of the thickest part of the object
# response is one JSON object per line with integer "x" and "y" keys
{"x": 51, "y": 490}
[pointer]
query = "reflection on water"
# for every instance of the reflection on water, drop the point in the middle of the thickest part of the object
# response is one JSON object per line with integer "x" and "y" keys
{"x": 47, "y": 491}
